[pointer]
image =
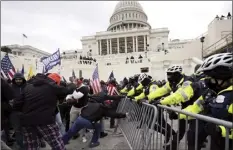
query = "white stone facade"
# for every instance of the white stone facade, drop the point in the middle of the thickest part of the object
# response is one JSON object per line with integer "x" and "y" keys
{"x": 27, "y": 51}
{"x": 131, "y": 35}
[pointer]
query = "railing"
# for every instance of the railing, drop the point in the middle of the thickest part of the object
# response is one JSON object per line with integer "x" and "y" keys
{"x": 218, "y": 45}
{"x": 138, "y": 127}
{"x": 167, "y": 133}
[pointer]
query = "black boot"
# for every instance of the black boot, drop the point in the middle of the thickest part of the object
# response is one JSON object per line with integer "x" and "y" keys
{"x": 76, "y": 136}
{"x": 103, "y": 134}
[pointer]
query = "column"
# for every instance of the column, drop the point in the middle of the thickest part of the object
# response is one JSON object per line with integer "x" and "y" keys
{"x": 148, "y": 42}
{"x": 118, "y": 46}
{"x": 110, "y": 46}
{"x": 144, "y": 42}
{"x": 133, "y": 44}
{"x": 107, "y": 46}
{"x": 128, "y": 26}
{"x": 125, "y": 45}
{"x": 136, "y": 43}
{"x": 100, "y": 48}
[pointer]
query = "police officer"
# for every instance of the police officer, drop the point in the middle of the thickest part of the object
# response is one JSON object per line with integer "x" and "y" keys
{"x": 128, "y": 86}
{"x": 136, "y": 87}
{"x": 185, "y": 98}
{"x": 175, "y": 79}
{"x": 219, "y": 70}
{"x": 148, "y": 85}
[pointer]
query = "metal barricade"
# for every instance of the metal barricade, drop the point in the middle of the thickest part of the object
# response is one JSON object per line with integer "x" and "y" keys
{"x": 138, "y": 127}
{"x": 158, "y": 128}
{"x": 190, "y": 133}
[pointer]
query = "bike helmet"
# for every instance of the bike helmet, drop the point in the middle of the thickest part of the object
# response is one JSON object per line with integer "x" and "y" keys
{"x": 196, "y": 68}
{"x": 218, "y": 66}
{"x": 136, "y": 76}
{"x": 142, "y": 77}
{"x": 175, "y": 68}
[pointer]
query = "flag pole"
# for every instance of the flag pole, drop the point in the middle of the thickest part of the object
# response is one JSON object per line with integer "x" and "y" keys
{"x": 23, "y": 40}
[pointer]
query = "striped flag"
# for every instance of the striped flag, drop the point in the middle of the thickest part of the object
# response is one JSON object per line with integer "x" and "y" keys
{"x": 7, "y": 68}
{"x": 95, "y": 82}
{"x": 112, "y": 90}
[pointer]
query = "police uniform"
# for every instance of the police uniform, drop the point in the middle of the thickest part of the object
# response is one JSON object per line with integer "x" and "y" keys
{"x": 216, "y": 102}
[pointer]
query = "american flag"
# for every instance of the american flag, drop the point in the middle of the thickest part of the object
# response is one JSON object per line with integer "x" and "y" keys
{"x": 95, "y": 82}
{"x": 112, "y": 90}
{"x": 7, "y": 68}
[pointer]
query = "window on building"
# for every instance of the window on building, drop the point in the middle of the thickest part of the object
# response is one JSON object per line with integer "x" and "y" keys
{"x": 136, "y": 15}
{"x": 144, "y": 70}
{"x": 129, "y": 14}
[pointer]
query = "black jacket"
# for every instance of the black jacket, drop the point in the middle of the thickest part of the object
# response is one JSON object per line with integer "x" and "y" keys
{"x": 95, "y": 111}
{"x": 6, "y": 96}
{"x": 18, "y": 88}
{"x": 83, "y": 100}
{"x": 38, "y": 101}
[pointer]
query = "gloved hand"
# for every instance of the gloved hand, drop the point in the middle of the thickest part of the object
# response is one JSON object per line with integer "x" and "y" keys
{"x": 122, "y": 96}
{"x": 130, "y": 98}
{"x": 213, "y": 130}
{"x": 173, "y": 115}
{"x": 147, "y": 91}
{"x": 156, "y": 102}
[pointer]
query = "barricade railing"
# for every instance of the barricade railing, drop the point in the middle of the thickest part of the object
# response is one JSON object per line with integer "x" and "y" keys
{"x": 194, "y": 129}
{"x": 138, "y": 127}
{"x": 158, "y": 128}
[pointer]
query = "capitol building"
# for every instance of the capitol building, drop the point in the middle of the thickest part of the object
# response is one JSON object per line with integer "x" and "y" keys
{"x": 130, "y": 45}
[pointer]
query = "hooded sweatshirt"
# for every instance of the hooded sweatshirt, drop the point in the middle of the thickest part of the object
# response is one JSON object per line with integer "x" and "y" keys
{"x": 18, "y": 88}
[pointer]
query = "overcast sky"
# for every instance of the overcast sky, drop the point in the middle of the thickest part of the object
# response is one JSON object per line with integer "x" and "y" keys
{"x": 61, "y": 24}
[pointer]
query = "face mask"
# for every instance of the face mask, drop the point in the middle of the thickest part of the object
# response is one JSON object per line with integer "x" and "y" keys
{"x": 18, "y": 81}
{"x": 214, "y": 84}
{"x": 145, "y": 82}
{"x": 174, "y": 77}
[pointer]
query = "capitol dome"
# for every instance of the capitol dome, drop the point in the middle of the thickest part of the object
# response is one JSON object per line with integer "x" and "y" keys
{"x": 128, "y": 15}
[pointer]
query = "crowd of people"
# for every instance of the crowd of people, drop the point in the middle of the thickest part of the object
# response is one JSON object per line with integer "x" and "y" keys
{"x": 86, "y": 60}
{"x": 37, "y": 109}
{"x": 132, "y": 60}
{"x": 222, "y": 17}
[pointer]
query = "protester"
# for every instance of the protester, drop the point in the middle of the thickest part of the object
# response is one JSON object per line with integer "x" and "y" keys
{"x": 18, "y": 84}
{"x": 37, "y": 105}
{"x": 6, "y": 109}
{"x": 93, "y": 112}
{"x": 80, "y": 94}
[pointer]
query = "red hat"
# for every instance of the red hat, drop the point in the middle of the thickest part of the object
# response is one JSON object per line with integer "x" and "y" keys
{"x": 55, "y": 77}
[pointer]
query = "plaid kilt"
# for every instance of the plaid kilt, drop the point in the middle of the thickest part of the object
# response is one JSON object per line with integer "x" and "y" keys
{"x": 50, "y": 133}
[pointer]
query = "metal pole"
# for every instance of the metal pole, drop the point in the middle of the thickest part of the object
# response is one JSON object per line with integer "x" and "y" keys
{"x": 23, "y": 40}
{"x": 202, "y": 51}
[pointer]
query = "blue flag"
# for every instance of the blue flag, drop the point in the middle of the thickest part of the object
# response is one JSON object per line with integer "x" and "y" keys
{"x": 22, "y": 71}
{"x": 51, "y": 61}
{"x": 111, "y": 76}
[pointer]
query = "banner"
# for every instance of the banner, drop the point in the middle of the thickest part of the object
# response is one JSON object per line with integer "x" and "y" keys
{"x": 51, "y": 61}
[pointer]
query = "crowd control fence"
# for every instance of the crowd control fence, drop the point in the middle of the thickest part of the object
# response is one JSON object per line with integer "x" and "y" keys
{"x": 139, "y": 124}
{"x": 158, "y": 128}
